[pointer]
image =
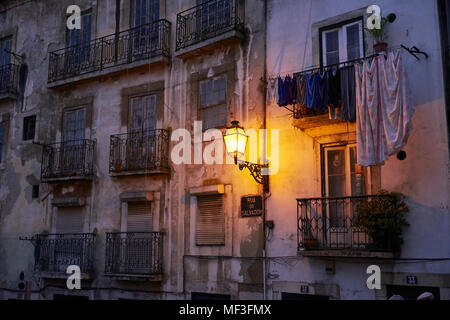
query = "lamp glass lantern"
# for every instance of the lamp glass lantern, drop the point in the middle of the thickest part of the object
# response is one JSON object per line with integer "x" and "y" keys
{"x": 236, "y": 141}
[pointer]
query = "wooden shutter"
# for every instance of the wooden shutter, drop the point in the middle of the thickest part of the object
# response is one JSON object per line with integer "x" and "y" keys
{"x": 69, "y": 220}
{"x": 210, "y": 220}
{"x": 139, "y": 217}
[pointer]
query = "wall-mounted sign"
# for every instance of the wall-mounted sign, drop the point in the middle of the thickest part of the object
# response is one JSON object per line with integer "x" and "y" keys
{"x": 411, "y": 279}
{"x": 251, "y": 206}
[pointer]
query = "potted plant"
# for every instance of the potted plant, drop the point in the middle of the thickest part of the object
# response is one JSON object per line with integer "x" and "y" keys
{"x": 382, "y": 218}
{"x": 309, "y": 243}
{"x": 378, "y": 36}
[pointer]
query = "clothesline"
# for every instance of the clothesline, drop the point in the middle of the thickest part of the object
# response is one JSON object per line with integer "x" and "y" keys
{"x": 312, "y": 69}
{"x": 316, "y": 68}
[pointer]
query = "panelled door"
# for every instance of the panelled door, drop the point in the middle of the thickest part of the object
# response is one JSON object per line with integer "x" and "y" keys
{"x": 72, "y": 147}
{"x": 142, "y": 142}
{"x": 343, "y": 178}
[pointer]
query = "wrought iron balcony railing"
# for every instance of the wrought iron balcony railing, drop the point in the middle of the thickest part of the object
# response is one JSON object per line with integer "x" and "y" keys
{"x": 134, "y": 253}
{"x": 68, "y": 159}
{"x": 141, "y": 151}
{"x": 55, "y": 252}
{"x": 136, "y": 44}
{"x": 329, "y": 223}
{"x": 209, "y": 20}
{"x": 9, "y": 78}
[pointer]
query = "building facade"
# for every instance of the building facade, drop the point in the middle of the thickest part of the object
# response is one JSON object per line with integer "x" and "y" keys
{"x": 107, "y": 162}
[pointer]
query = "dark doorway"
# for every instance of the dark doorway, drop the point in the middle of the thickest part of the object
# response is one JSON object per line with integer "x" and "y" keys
{"x": 298, "y": 296}
{"x": 411, "y": 292}
{"x": 209, "y": 296}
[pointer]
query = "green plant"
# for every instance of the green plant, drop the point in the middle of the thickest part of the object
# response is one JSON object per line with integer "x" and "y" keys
{"x": 383, "y": 218}
{"x": 378, "y": 34}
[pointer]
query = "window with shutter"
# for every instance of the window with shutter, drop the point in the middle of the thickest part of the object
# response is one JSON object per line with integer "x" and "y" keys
{"x": 69, "y": 220}
{"x": 210, "y": 228}
{"x": 139, "y": 217}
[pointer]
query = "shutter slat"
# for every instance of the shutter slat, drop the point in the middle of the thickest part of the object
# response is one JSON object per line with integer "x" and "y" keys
{"x": 210, "y": 220}
{"x": 69, "y": 220}
{"x": 139, "y": 217}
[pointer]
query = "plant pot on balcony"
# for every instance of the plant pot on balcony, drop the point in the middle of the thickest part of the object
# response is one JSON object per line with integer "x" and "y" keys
{"x": 380, "y": 47}
{"x": 310, "y": 243}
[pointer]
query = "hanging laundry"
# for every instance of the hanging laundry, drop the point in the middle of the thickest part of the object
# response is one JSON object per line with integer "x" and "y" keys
{"x": 281, "y": 93}
{"x": 301, "y": 87}
{"x": 312, "y": 87}
{"x": 291, "y": 87}
{"x": 383, "y": 121}
{"x": 334, "y": 93}
{"x": 322, "y": 102}
{"x": 348, "y": 93}
{"x": 272, "y": 91}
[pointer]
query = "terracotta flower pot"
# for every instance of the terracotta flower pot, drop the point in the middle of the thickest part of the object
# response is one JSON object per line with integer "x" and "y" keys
{"x": 310, "y": 243}
{"x": 380, "y": 47}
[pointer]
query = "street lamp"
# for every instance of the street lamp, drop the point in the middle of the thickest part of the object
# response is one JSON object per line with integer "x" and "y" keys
{"x": 236, "y": 142}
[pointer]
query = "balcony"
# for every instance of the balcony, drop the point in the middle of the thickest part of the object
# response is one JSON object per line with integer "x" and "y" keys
{"x": 68, "y": 160}
{"x": 134, "y": 255}
{"x": 9, "y": 80}
{"x": 55, "y": 252}
{"x": 143, "y": 152}
{"x": 149, "y": 43}
{"x": 207, "y": 24}
{"x": 326, "y": 227}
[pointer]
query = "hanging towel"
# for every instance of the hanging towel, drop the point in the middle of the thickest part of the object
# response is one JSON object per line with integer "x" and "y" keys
{"x": 272, "y": 91}
{"x": 301, "y": 87}
{"x": 292, "y": 90}
{"x": 397, "y": 109}
{"x": 322, "y": 101}
{"x": 348, "y": 93}
{"x": 312, "y": 87}
{"x": 281, "y": 93}
{"x": 383, "y": 109}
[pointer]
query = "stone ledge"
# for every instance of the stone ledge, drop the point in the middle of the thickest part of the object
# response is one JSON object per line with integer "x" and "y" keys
{"x": 207, "y": 190}
{"x": 60, "y": 275}
{"x": 138, "y": 173}
{"x": 135, "y": 277}
{"x": 207, "y": 44}
{"x": 346, "y": 253}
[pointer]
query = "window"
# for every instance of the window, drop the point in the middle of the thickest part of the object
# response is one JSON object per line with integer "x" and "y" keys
{"x": 343, "y": 177}
{"x": 69, "y": 220}
{"x": 139, "y": 218}
{"x": 143, "y": 113}
{"x": 79, "y": 41}
{"x": 5, "y": 49}
{"x": 29, "y": 127}
{"x": 214, "y": 15}
{"x": 342, "y": 43}
{"x": 210, "y": 227}
{"x": 74, "y": 124}
{"x": 213, "y": 105}
{"x": 145, "y": 11}
{"x": 2, "y": 130}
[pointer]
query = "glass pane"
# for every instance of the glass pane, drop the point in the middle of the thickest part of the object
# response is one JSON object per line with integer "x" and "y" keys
{"x": 136, "y": 122}
{"x": 357, "y": 175}
{"x": 336, "y": 173}
{"x": 353, "y": 45}
{"x": 150, "y": 113}
{"x": 214, "y": 117}
{"x": 332, "y": 47}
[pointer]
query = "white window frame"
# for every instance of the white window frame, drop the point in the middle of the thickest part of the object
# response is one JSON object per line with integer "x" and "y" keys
{"x": 342, "y": 40}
